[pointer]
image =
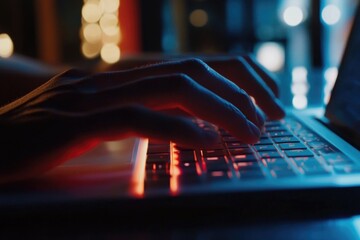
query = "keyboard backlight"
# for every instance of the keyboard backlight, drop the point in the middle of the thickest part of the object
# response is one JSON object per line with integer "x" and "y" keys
{"x": 243, "y": 164}
{"x": 217, "y": 174}
{"x": 174, "y": 170}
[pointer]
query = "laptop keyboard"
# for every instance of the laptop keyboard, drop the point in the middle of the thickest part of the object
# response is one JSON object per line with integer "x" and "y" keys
{"x": 286, "y": 149}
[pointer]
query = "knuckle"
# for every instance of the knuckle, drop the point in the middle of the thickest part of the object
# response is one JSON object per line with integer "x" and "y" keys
{"x": 241, "y": 61}
{"x": 233, "y": 110}
{"x": 181, "y": 88}
{"x": 195, "y": 63}
{"x": 182, "y": 83}
{"x": 244, "y": 95}
{"x": 246, "y": 99}
{"x": 235, "y": 59}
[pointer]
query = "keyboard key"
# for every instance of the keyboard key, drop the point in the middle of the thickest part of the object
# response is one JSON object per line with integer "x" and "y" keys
{"x": 310, "y": 165}
{"x": 241, "y": 166}
{"x": 280, "y": 134}
{"x": 261, "y": 148}
{"x": 251, "y": 175}
{"x": 275, "y": 128}
{"x": 180, "y": 148}
{"x": 185, "y": 180}
{"x": 271, "y": 162}
{"x": 231, "y": 145}
{"x": 307, "y": 161}
{"x": 244, "y": 158}
{"x": 288, "y": 146}
{"x": 270, "y": 154}
{"x": 286, "y": 140}
{"x": 216, "y": 163}
{"x": 299, "y": 153}
{"x": 218, "y": 146}
{"x": 326, "y": 150}
{"x": 187, "y": 168}
{"x": 186, "y": 156}
{"x": 338, "y": 159}
{"x": 157, "y": 158}
{"x": 347, "y": 169}
{"x": 213, "y": 153}
{"x": 273, "y": 124}
{"x": 158, "y": 167}
{"x": 315, "y": 171}
{"x": 237, "y": 151}
{"x": 317, "y": 145}
{"x": 158, "y": 148}
{"x": 217, "y": 175}
{"x": 264, "y": 141}
{"x": 310, "y": 138}
{"x": 151, "y": 183}
{"x": 156, "y": 173}
{"x": 283, "y": 173}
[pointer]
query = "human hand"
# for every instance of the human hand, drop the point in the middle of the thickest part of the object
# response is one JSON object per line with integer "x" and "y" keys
{"x": 74, "y": 111}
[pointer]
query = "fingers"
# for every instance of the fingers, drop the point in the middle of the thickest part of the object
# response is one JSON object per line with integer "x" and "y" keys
{"x": 264, "y": 74}
{"x": 139, "y": 121}
{"x": 195, "y": 69}
{"x": 244, "y": 75}
{"x": 179, "y": 91}
{"x": 261, "y": 92}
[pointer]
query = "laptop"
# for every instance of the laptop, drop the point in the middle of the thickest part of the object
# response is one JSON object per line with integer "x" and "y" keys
{"x": 309, "y": 161}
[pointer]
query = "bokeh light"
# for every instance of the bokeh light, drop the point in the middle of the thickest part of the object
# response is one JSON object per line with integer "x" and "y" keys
{"x": 299, "y": 74}
{"x": 100, "y": 32}
{"x": 293, "y": 16}
{"x": 91, "y": 12}
{"x": 90, "y": 50}
{"x": 109, "y": 24}
{"x": 198, "y": 18}
{"x": 110, "y": 6}
{"x": 110, "y": 53}
{"x": 300, "y": 101}
{"x": 6, "y": 46}
{"x": 92, "y": 33}
{"x": 330, "y": 76}
{"x": 271, "y": 55}
{"x": 331, "y": 14}
{"x": 299, "y": 87}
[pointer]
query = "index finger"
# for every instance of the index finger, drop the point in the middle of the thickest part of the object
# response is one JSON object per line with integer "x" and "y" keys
{"x": 241, "y": 72}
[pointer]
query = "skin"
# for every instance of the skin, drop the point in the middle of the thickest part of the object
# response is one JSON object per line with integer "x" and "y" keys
{"x": 74, "y": 111}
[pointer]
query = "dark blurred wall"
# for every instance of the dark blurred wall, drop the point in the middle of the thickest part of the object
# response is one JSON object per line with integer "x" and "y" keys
{"x": 17, "y": 18}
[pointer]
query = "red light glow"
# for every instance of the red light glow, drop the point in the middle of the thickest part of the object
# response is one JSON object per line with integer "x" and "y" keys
{"x": 174, "y": 170}
{"x": 138, "y": 176}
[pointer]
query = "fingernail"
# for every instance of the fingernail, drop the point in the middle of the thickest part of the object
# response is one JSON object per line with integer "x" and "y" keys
{"x": 254, "y": 129}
